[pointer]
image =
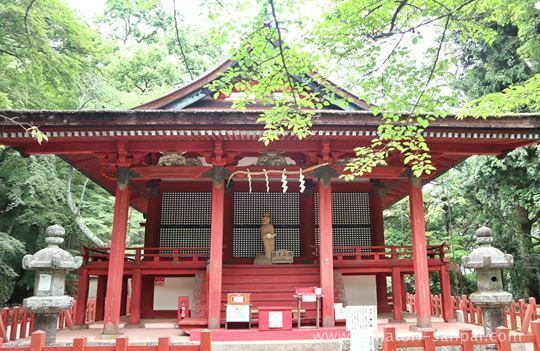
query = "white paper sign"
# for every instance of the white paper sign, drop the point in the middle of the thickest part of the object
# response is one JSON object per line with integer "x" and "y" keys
{"x": 275, "y": 319}
{"x": 237, "y": 313}
{"x": 309, "y": 298}
{"x": 361, "y": 318}
{"x": 45, "y": 281}
{"x": 361, "y": 321}
{"x": 238, "y": 299}
{"x": 361, "y": 341}
{"x": 339, "y": 311}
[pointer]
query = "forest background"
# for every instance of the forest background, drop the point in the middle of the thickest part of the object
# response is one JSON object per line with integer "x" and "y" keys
{"x": 51, "y": 57}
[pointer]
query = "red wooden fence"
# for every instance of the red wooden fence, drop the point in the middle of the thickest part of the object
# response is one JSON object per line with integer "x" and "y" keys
{"x": 519, "y": 314}
{"x": 37, "y": 343}
{"x": 18, "y": 322}
{"x": 502, "y": 340}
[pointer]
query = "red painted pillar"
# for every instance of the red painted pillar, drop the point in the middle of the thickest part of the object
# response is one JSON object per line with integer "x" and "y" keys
{"x": 135, "y": 313}
{"x": 124, "y": 297}
{"x": 82, "y": 297}
{"x": 326, "y": 256}
{"x": 377, "y": 235}
{"x": 420, "y": 261}
{"x": 403, "y": 292}
{"x": 216, "y": 255}
{"x": 151, "y": 240}
{"x": 397, "y": 296}
{"x": 446, "y": 295}
{"x": 100, "y": 296}
{"x": 228, "y": 226}
{"x": 307, "y": 223}
{"x": 115, "y": 274}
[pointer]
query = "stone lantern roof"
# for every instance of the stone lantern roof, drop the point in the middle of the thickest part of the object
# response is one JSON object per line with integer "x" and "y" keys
{"x": 486, "y": 256}
{"x": 52, "y": 257}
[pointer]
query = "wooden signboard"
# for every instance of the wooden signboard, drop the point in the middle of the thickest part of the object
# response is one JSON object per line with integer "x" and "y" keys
{"x": 238, "y": 299}
{"x": 282, "y": 256}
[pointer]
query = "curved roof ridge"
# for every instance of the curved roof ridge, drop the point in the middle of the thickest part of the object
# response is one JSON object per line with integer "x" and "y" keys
{"x": 203, "y": 79}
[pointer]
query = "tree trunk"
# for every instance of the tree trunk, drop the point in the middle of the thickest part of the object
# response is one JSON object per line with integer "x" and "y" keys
{"x": 77, "y": 215}
{"x": 526, "y": 247}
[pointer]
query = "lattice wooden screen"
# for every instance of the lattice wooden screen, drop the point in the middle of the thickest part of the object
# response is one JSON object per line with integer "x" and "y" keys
{"x": 248, "y": 211}
{"x": 185, "y": 219}
{"x": 350, "y": 219}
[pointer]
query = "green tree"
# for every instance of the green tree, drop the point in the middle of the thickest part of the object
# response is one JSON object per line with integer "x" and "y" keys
{"x": 505, "y": 191}
{"x": 44, "y": 50}
{"x": 380, "y": 42}
{"x": 144, "y": 68}
{"x": 137, "y": 20}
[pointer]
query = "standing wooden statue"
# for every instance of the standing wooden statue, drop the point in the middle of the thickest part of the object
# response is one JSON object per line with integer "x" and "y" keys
{"x": 268, "y": 235}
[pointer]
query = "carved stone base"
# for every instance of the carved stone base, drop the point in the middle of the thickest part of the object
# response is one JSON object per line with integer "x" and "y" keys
{"x": 261, "y": 260}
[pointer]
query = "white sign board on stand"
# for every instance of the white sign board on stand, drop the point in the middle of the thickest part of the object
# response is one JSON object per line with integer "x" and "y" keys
{"x": 361, "y": 322}
{"x": 275, "y": 319}
{"x": 237, "y": 313}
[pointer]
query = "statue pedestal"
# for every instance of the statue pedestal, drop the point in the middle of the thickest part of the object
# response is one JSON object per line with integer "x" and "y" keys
{"x": 261, "y": 260}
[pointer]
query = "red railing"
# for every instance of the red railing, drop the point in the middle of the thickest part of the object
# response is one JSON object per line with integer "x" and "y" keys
{"x": 435, "y": 301}
{"x": 519, "y": 315}
{"x": 502, "y": 340}
{"x": 379, "y": 253}
{"x": 150, "y": 254}
{"x": 17, "y": 322}
{"x": 37, "y": 343}
{"x": 201, "y": 254}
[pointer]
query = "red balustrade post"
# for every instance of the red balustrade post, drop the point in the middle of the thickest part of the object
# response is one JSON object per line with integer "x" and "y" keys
{"x": 403, "y": 291}
{"x": 389, "y": 339}
{"x": 420, "y": 262}
{"x": 37, "y": 341}
{"x": 14, "y": 323}
{"x": 535, "y": 329}
{"x": 100, "y": 296}
{"x": 113, "y": 299}
{"x": 397, "y": 312}
{"x": 136, "y": 285}
{"x": 164, "y": 344}
{"x": 124, "y": 297}
{"x": 206, "y": 341}
{"x": 428, "y": 339}
{"x": 24, "y": 324}
{"x": 79, "y": 344}
{"x": 446, "y": 295}
{"x": 121, "y": 343}
{"x": 216, "y": 254}
{"x": 465, "y": 337}
{"x": 326, "y": 251}
{"x": 3, "y": 324}
{"x": 503, "y": 339}
{"x": 82, "y": 297}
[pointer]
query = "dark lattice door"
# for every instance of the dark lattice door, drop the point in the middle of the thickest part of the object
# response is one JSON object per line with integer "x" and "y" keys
{"x": 185, "y": 219}
{"x": 350, "y": 219}
{"x": 248, "y": 211}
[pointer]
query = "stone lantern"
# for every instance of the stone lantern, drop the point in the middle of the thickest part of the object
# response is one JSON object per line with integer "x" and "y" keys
{"x": 488, "y": 262}
{"x": 51, "y": 265}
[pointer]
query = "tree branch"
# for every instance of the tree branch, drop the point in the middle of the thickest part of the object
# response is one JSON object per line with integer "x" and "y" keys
{"x": 26, "y": 13}
{"x": 433, "y": 66}
{"x": 77, "y": 214}
{"x": 281, "y": 54}
{"x": 184, "y": 57}
{"x": 422, "y": 24}
{"x": 396, "y": 13}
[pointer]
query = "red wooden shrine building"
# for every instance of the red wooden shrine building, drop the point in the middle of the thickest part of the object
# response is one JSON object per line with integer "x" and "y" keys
{"x": 202, "y": 231}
